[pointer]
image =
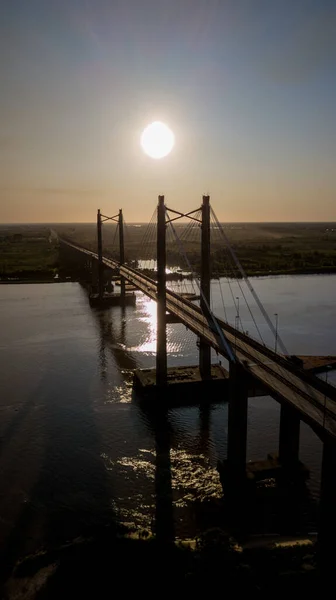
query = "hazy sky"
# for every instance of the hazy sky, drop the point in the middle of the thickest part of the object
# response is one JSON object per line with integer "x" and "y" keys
{"x": 248, "y": 87}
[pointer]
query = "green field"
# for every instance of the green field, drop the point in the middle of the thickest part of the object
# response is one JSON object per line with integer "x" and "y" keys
{"x": 262, "y": 248}
{"x": 27, "y": 252}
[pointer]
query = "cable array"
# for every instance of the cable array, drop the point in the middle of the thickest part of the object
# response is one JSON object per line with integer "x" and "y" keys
{"x": 147, "y": 249}
{"x": 238, "y": 273}
{"x": 183, "y": 259}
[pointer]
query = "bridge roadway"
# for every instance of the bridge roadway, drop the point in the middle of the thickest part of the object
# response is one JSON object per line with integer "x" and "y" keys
{"x": 285, "y": 381}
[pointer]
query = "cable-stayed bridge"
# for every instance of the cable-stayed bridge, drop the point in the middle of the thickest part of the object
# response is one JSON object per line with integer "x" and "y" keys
{"x": 301, "y": 394}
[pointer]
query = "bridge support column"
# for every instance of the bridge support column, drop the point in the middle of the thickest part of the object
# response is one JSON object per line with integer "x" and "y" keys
{"x": 94, "y": 274}
{"x": 121, "y": 255}
{"x": 204, "y": 348}
{"x": 327, "y": 520}
{"x": 100, "y": 256}
{"x": 161, "y": 338}
{"x": 237, "y": 423}
{"x": 289, "y": 437}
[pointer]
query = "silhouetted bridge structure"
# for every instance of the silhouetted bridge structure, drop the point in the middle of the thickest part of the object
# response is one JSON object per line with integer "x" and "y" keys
{"x": 301, "y": 394}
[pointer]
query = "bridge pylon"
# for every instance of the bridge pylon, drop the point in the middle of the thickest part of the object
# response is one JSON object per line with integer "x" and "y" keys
{"x": 100, "y": 256}
{"x": 204, "y": 348}
{"x": 161, "y": 336}
{"x": 121, "y": 254}
{"x": 105, "y": 298}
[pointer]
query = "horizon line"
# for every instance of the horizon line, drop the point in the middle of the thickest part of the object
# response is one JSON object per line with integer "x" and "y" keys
{"x": 20, "y": 223}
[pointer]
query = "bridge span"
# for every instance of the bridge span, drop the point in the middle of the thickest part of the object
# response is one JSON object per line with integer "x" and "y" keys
{"x": 302, "y": 396}
{"x": 285, "y": 381}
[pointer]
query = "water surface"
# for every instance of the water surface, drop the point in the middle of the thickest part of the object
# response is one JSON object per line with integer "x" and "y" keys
{"x": 77, "y": 452}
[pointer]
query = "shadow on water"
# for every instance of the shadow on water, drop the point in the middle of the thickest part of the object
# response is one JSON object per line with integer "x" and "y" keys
{"x": 114, "y": 338}
{"x": 187, "y": 488}
{"x": 73, "y": 496}
{"x": 70, "y": 496}
{"x": 203, "y": 441}
{"x": 160, "y": 425}
{"x": 15, "y": 424}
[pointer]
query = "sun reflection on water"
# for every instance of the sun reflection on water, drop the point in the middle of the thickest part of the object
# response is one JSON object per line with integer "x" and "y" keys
{"x": 147, "y": 343}
{"x": 149, "y": 317}
{"x": 193, "y": 479}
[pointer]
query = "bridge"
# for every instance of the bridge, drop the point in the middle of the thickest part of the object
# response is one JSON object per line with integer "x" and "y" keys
{"x": 301, "y": 394}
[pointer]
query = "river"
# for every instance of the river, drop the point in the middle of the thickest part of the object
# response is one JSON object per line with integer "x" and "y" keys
{"x": 77, "y": 451}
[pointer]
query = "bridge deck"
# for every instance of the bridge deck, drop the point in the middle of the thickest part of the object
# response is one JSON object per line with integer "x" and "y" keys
{"x": 313, "y": 398}
{"x": 318, "y": 364}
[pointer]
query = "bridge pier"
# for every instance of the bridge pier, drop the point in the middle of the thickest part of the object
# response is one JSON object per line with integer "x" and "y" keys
{"x": 237, "y": 423}
{"x": 327, "y": 514}
{"x": 161, "y": 337}
{"x": 93, "y": 268}
{"x": 100, "y": 256}
{"x": 289, "y": 436}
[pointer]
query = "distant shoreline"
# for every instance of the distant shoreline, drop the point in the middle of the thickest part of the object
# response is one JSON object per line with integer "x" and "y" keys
{"x": 273, "y": 273}
{"x": 308, "y": 271}
{"x": 21, "y": 281}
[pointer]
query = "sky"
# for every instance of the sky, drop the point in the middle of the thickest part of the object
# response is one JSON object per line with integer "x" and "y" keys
{"x": 247, "y": 86}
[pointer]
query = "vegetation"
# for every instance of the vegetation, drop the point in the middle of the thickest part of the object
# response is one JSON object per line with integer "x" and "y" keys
{"x": 27, "y": 252}
{"x": 262, "y": 248}
{"x": 30, "y": 252}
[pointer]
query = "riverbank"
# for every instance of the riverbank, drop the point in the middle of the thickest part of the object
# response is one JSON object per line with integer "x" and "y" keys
{"x": 135, "y": 562}
{"x": 293, "y": 271}
{"x": 27, "y": 254}
{"x": 171, "y": 277}
{"x": 28, "y": 281}
{"x": 30, "y": 254}
{"x": 262, "y": 248}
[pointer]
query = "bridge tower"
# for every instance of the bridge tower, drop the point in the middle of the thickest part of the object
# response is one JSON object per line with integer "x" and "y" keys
{"x": 100, "y": 256}
{"x": 161, "y": 344}
{"x": 121, "y": 254}
{"x": 161, "y": 337}
{"x": 204, "y": 348}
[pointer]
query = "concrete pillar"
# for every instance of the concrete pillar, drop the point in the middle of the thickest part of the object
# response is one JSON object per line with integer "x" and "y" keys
{"x": 289, "y": 436}
{"x": 100, "y": 256}
{"x": 121, "y": 255}
{"x": 161, "y": 338}
{"x": 237, "y": 422}
{"x": 204, "y": 348}
{"x": 327, "y": 521}
{"x": 94, "y": 276}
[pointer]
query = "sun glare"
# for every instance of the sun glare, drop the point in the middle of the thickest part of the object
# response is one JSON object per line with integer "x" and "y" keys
{"x": 157, "y": 140}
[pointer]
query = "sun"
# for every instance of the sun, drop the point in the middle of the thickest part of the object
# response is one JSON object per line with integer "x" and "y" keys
{"x": 157, "y": 140}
